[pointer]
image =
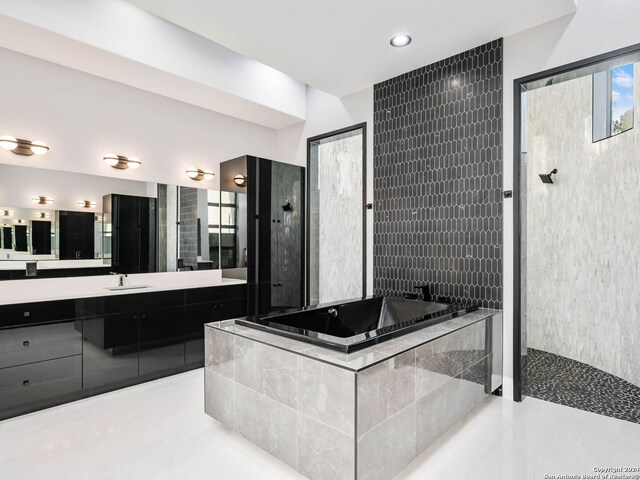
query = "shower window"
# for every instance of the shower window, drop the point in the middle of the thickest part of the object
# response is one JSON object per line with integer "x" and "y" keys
{"x": 612, "y": 101}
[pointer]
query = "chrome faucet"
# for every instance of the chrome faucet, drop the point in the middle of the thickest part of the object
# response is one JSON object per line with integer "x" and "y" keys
{"x": 121, "y": 277}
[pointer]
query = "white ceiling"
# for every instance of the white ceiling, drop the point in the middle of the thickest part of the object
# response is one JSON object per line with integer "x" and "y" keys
{"x": 343, "y": 46}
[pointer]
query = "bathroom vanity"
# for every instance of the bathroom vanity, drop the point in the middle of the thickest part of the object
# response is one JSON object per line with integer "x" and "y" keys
{"x": 360, "y": 415}
{"x": 69, "y": 338}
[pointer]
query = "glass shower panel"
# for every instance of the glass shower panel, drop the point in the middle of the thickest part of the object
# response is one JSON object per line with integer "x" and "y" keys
{"x": 336, "y": 213}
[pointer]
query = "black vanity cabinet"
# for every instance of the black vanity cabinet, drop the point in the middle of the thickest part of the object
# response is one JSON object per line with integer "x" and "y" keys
{"x": 110, "y": 341}
{"x": 54, "y": 352}
{"x": 162, "y": 333}
{"x": 205, "y": 305}
{"x": 77, "y": 235}
{"x": 133, "y": 232}
{"x": 40, "y": 355}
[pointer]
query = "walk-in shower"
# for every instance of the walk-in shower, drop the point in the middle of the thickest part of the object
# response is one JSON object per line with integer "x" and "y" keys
{"x": 578, "y": 240}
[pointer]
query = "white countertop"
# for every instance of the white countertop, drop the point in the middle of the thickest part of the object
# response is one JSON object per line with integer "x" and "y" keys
{"x": 48, "y": 289}
{"x": 52, "y": 264}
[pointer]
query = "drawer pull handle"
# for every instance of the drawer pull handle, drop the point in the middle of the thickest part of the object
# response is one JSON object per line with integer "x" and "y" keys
{"x": 25, "y": 383}
{"x": 26, "y": 343}
{"x": 26, "y": 314}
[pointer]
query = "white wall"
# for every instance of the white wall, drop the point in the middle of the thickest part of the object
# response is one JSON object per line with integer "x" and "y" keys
{"x": 326, "y": 113}
{"x": 598, "y": 27}
{"x": 82, "y": 117}
{"x": 18, "y": 185}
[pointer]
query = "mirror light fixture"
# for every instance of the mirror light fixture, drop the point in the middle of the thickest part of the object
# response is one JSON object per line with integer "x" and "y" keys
{"x": 400, "y": 41}
{"x": 23, "y": 147}
{"x": 42, "y": 200}
{"x": 7, "y": 213}
{"x": 87, "y": 204}
{"x": 240, "y": 180}
{"x": 197, "y": 174}
{"x": 120, "y": 162}
{"x": 43, "y": 215}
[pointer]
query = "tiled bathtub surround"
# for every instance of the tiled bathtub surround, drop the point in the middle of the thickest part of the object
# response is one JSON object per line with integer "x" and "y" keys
{"x": 438, "y": 178}
{"x": 365, "y": 415}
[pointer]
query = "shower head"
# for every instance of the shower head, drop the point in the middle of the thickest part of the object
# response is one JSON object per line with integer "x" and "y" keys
{"x": 546, "y": 177}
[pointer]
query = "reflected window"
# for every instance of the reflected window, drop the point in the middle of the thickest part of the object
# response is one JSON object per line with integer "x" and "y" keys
{"x": 613, "y": 100}
{"x": 223, "y": 224}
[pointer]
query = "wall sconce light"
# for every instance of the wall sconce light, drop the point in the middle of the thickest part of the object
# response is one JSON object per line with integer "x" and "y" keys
{"x": 240, "y": 180}
{"x": 43, "y": 215}
{"x": 87, "y": 204}
{"x": 23, "y": 147}
{"x": 20, "y": 221}
{"x": 42, "y": 200}
{"x": 197, "y": 174}
{"x": 120, "y": 162}
{"x": 7, "y": 213}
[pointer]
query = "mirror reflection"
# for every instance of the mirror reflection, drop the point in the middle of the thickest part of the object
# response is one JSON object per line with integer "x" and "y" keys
{"x": 116, "y": 224}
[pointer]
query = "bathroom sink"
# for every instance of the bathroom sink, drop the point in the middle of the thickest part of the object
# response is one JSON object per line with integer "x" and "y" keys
{"x": 127, "y": 287}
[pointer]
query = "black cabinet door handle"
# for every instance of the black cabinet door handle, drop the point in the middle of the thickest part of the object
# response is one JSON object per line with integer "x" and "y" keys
{"x": 26, "y": 343}
{"x": 144, "y": 316}
{"x": 222, "y": 305}
{"x": 25, "y": 383}
{"x": 135, "y": 317}
{"x": 26, "y": 314}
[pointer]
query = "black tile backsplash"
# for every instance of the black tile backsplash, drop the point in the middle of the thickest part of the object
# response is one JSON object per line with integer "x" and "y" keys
{"x": 438, "y": 179}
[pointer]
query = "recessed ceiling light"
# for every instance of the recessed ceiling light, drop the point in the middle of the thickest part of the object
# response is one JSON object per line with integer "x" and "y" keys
{"x": 400, "y": 41}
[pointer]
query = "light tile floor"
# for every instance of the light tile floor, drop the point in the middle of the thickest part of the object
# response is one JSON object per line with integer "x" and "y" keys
{"x": 159, "y": 431}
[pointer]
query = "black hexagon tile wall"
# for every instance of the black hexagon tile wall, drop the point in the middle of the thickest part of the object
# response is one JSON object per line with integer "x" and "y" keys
{"x": 438, "y": 179}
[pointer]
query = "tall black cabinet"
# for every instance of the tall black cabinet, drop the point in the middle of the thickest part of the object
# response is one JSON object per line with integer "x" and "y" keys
{"x": 77, "y": 235}
{"x": 275, "y": 230}
{"x": 133, "y": 232}
{"x": 41, "y": 237}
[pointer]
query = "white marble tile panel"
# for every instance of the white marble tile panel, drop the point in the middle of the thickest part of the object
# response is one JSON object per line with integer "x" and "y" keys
{"x": 324, "y": 453}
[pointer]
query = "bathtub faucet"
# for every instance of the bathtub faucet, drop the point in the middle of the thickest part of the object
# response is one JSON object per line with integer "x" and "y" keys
{"x": 427, "y": 296}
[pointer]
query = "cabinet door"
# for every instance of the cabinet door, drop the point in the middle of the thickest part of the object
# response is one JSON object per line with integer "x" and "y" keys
{"x": 21, "y": 238}
{"x": 161, "y": 339}
{"x": 41, "y": 237}
{"x": 228, "y": 309}
{"x": 196, "y": 317}
{"x": 147, "y": 234}
{"x": 36, "y": 384}
{"x": 110, "y": 348}
{"x": 66, "y": 242}
{"x": 84, "y": 235}
{"x": 126, "y": 248}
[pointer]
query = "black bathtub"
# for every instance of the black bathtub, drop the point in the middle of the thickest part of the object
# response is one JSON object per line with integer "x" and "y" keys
{"x": 355, "y": 324}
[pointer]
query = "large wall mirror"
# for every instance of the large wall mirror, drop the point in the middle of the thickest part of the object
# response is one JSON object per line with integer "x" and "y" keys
{"x": 87, "y": 221}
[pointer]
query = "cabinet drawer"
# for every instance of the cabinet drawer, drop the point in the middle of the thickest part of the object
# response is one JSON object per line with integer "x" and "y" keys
{"x": 40, "y": 381}
{"x": 232, "y": 291}
{"x": 36, "y": 343}
{"x": 130, "y": 302}
{"x": 39, "y": 312}
{"x": 228, "y": 309}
